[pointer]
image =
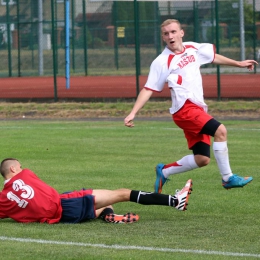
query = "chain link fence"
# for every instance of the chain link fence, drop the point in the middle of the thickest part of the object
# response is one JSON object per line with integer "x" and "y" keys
{"x": 118, "y": 37}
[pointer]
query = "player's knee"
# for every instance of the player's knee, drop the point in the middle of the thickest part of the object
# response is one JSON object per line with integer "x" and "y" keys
{"x": 202, "y": 160}
{"x": 221, "y": 133}
{"x": 201, "y": 153}
{"x": 124, "y": 194}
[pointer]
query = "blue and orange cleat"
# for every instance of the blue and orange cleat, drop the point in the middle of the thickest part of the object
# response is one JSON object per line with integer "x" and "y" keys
{"x": 236, "y": 181}
{"x": 160, "y": 179}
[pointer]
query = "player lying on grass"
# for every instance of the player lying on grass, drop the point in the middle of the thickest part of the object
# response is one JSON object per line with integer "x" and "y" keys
{"x": 26, "y": 198}
{"x": 179, "y": 65}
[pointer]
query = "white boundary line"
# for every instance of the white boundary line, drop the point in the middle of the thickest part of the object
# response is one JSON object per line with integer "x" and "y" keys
{"x": 119, "y": 247}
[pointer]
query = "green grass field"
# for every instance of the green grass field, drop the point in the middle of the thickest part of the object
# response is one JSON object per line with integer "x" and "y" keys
{"x": 218, "y": 224}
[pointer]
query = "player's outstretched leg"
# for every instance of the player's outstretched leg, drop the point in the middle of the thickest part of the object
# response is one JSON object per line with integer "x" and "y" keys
{"x": 126, "y": 218}
{"x": 183, "y": 196}
{"x": 236, "y": 181}
{"x": 160, "y": 179}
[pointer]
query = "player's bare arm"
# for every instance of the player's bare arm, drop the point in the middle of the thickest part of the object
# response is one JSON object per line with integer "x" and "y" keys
{"x": 222, "y": 60}
{"x": 142, "y": 98}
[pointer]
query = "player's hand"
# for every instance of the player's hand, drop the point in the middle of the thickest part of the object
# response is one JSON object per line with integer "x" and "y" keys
{"x": 249, "y": 64}
{"x": 129, "y": 121}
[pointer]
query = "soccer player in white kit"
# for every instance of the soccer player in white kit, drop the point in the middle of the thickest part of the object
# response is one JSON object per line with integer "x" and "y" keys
{"x": 179, "y": 66}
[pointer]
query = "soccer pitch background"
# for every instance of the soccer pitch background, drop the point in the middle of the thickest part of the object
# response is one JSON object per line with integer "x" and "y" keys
{"x": 69, "y": 155}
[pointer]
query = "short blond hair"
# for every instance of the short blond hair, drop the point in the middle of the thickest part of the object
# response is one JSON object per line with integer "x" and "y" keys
{"x": 169, "y": 21}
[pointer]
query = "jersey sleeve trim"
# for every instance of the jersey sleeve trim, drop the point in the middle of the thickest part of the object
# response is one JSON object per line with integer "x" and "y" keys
{"x": 152, "y": 89}
{"x": 214, "y": 50}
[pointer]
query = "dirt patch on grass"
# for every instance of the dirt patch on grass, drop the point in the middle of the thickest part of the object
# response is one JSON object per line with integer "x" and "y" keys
{"x": 80, "y": 114}
{"x": 77, "y": 110}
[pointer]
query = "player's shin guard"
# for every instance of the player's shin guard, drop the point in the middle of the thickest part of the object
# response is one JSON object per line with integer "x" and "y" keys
{"x": 187, "y": 163}
{"x": 221, "y": 154}
{"x": 150, "y": 198}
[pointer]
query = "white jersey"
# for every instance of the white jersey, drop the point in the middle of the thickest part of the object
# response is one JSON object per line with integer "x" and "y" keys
{"x": 182, "y": 72}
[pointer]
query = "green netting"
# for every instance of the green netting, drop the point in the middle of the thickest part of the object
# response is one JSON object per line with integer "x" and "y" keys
{"x": 117, "y": 37}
